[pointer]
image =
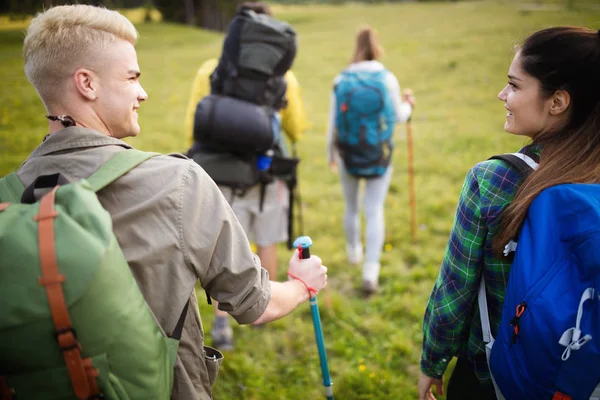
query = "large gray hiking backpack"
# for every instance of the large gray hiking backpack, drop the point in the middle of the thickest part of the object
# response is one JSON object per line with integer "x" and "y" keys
{"x": 257, "y": 52}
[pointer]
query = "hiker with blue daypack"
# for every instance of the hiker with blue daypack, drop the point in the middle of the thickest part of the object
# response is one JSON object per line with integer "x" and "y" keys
{"x": 542, "y": 207}
{"x": 365, "y": 107}
{"x": 103, "y": 245}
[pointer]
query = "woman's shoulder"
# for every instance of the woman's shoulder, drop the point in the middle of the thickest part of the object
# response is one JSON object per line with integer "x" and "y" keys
{"x": 495, "y": 176}
{"x": 488, "y": 168}
{"x": 337, "y": 78}
{"x": 495, "y": 165}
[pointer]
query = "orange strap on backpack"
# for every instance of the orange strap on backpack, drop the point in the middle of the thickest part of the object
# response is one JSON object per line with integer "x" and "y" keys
{"x": 83, "y": 375}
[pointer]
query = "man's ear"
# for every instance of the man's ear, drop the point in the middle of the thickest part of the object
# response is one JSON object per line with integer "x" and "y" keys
{"x": 86, "y": 82}
{"x": 561, "y": 99}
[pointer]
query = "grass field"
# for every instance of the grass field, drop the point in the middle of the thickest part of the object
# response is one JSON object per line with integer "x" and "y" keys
{"x": 455, "y": 57}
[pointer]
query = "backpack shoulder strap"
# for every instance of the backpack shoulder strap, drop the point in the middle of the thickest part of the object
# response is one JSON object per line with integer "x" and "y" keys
{"x": 118, "y": 166}
{"x": 11, "y": 185}
{"x": 522, "y": 162}
{"x": 488, "y": 338}
{"x": 381, "y": 74}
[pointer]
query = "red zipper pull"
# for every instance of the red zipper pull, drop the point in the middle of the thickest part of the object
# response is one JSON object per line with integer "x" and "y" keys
{"x": 515, "y": 320}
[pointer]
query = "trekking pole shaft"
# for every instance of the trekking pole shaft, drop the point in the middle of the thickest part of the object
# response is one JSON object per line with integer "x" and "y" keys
{"x": 304, "y": 244}
{"x": 411, "y": 182}
{"x": 314, "y": 310}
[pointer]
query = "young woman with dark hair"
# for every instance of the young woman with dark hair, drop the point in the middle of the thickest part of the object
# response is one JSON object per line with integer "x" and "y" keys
{"x": 552, "y": 97}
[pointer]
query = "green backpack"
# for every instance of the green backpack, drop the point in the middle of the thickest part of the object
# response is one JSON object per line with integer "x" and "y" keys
{"x": 74, "y": 324}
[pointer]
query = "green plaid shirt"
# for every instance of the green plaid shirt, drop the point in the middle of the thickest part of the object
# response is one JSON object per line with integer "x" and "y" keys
{"x": 451, "y": 324}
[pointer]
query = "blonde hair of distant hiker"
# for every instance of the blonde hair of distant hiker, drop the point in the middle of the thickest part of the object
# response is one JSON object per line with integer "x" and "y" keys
{"x": 367, "y": 46}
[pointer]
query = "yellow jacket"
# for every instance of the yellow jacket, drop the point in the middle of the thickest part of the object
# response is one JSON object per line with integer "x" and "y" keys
{"x": 293, "y": 117}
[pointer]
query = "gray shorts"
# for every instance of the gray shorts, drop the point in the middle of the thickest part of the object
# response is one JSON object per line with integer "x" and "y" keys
{"x": 264, "y": 228}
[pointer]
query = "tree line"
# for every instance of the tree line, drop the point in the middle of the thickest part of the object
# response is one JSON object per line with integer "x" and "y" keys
{"x": 209, "y": 14}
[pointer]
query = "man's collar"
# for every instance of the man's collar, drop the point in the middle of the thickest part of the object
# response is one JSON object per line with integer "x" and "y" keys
{"x": 73, "y": 138}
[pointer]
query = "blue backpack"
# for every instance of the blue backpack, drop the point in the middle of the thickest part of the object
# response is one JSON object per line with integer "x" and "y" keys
{"x": 548, "y": 341}
{"x": 364, "y": 121}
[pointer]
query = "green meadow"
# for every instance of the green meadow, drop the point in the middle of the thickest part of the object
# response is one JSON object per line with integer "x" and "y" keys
{"x": 455, "y": 57}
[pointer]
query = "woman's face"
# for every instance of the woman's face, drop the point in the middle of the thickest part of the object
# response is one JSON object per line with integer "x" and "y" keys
{"x": 527, "y": 112}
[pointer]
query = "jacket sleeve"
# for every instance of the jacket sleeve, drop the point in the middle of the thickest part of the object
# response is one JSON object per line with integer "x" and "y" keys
{"x": 402, "y": 109}
{"x": 218, "y": 251}
{"x": 200, "y": 89}
{"x": 293, "y": 117}
{"x": 447, "y": 316}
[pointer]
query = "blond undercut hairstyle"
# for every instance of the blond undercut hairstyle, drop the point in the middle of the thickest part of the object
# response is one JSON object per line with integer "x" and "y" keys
{"x": 63, "y": 39}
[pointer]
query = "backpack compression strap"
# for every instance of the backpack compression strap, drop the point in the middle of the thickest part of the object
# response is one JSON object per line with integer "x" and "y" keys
{"x": 82, "y": 373}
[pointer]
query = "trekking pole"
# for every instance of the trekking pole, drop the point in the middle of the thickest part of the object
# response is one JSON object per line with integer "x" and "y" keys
{"x": 411, "y": 182}
{"x": 303, "y": 244}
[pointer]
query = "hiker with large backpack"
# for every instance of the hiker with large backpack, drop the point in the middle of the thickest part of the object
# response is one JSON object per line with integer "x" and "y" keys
{"x": 237, "y": 108}
{"x": 518, "y": 288}
{"x": 365, "y": 107}
{"x": 102, "y": 245}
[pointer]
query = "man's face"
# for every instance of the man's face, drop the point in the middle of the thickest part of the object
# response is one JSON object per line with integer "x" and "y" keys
{"x": 119, "y": 91}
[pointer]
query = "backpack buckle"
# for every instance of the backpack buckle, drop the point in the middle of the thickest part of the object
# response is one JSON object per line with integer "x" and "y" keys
{"x": 67, "y": 339}
{"x": 510, "y": 247}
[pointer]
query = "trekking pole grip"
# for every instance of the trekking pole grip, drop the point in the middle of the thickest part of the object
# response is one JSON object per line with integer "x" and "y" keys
{"x": 303, "y": 244}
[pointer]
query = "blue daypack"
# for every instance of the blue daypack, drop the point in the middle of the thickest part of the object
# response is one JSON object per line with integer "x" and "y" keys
{"x": 548, "y": 340}
{"x": 364, "y": 120}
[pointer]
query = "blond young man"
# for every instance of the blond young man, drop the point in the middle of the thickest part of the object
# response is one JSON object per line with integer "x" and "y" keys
{"x": 82, "y": 62}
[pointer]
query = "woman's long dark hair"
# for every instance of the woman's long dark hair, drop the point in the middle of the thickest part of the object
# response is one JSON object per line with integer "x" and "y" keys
{"x": 561, "y": 58}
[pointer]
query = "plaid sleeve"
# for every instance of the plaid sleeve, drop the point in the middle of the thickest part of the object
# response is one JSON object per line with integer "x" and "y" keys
{"x": 446, "y": 320}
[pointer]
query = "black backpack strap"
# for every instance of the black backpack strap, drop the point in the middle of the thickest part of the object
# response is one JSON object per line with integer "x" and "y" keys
{"x": 524, "y": 163}
{"x": 42, "y": 182}
{"x": 261, "y": 201}
{"x": 290, "y": 218}
{"x": 179, "y": 327}
{"x": 265, "y": 179}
